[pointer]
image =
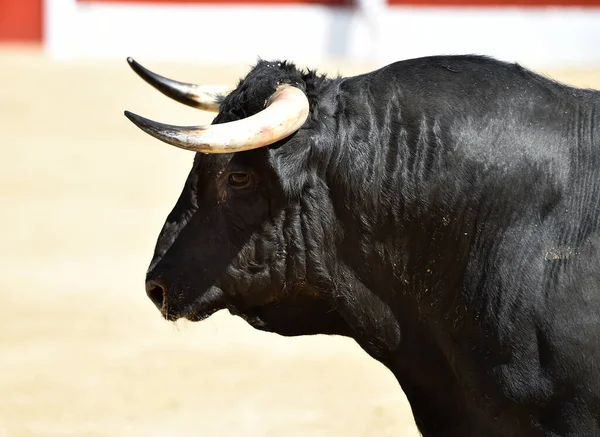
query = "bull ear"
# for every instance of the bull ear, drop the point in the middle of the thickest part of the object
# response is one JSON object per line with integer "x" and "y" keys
{"x": 204, "y": 97}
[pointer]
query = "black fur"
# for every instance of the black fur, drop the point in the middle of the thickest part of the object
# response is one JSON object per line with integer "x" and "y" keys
{"x": 443, "y": 211}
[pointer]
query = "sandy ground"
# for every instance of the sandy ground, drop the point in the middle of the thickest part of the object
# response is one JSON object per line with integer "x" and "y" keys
{"x": 83, "y": 352}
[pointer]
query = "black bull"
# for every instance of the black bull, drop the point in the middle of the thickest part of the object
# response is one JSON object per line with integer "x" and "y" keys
{"x": 444, "y": 212}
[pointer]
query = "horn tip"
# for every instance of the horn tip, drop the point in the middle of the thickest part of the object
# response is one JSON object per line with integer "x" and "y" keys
{"x": 144, "y": 123}
{"x": 135, "y": 66}
{"x": 134, "y": 118}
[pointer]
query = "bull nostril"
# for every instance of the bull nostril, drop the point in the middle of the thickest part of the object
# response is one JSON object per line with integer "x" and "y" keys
{"x": 156, "y": 292}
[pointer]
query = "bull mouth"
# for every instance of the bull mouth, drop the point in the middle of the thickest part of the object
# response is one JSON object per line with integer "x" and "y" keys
{"x": 202, "y": 307}
{"x": 199, "y": 315}
{"x": 211, "y": 301}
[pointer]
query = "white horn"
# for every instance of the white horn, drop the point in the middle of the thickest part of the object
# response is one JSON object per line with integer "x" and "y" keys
{"x": 285, "y": 113}
{"x": 198, "y": 96}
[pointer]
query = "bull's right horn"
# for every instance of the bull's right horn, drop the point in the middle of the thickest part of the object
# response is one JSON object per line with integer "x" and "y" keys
{"x": 198, "y": 96}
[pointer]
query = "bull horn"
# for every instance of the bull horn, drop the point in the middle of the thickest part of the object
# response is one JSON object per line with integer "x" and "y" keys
{"x": 202, "y": 97}
{"x": 285, "y": 113}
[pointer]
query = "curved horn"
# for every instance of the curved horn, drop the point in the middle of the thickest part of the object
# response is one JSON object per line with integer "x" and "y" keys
{"x": 286, "y": 112}
{"x": 201, "y": 97}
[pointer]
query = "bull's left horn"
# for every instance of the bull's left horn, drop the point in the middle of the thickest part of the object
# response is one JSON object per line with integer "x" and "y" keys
{"x": 198, "y": 96}
{"x": 286, "y": 112}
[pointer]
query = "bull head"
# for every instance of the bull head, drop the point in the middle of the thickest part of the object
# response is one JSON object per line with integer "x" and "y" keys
{"x": 236, "y": 238}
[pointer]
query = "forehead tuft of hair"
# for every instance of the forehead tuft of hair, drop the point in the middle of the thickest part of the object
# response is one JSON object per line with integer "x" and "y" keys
{"x": 260, "y": 83}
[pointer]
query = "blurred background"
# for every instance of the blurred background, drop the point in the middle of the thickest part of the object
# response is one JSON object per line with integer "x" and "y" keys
{"x": 83, "y": 195}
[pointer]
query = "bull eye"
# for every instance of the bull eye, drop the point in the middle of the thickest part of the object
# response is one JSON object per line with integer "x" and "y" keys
{"x": 239, "y": 180}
